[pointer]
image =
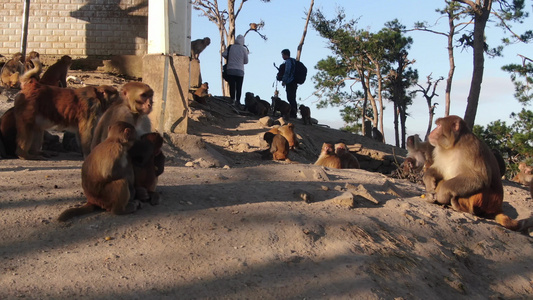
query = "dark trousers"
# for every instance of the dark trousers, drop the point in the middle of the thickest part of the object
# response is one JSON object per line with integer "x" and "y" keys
{"x": 291, "y": 97}
{"x": 235, "y": 87}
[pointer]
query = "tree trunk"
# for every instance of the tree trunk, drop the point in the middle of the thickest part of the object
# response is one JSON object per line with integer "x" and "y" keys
{"x": 300, "y": 46}
{"x": 451, "y": 60}
{"x": 396, "y": 131}
{"x": 480, "y": 19}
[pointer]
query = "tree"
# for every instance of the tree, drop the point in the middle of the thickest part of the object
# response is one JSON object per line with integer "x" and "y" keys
{"x": 453, "y": 12}
{"x": 358, "y": 59}
{"x": 523, "y": 89}
{"x": 481, "y": 10}
{"x": 400, "y": 75}
{"x": 428, "y": 94}
{"x": 222, "y": 18}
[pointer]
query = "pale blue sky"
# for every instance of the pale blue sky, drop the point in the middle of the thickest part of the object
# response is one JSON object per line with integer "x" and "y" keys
{"x": 284, "y": 24}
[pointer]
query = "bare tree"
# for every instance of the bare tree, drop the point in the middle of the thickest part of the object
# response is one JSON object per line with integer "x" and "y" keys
{"x": 225, "y": 20}
{"x": 430, "y": 86}
{"x": 453, "y": 13}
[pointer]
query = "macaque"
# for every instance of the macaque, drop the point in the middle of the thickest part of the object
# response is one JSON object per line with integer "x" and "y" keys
{"x": 107, "y": 176}
{"x": 328, "y": 158}
{"x": 419, "y": 154}
{"x": 28, "y": 63}
{"x": 265, "y": 104}
{"x": 525, "y": 174}
{"x": 279, "y": 147}
{"x": 56, "y": 74}
{"x": 197, "y": 46}
{"x": 348, "y": 160}
{"x": 134, "y": 107}
{"x": 282, "y": 106}
{"x": 287, "y": 131}
{"x": 12, "y": 71}
{"x": 465, "y": 174}
{"x": 201, "y": 93}
{"x": 305, "y": 111}
{"x": 39, "y": 107}
{"x": 377, "y": 135}
{"x": 148, "y": 163}
{"x": 253, "y": 105}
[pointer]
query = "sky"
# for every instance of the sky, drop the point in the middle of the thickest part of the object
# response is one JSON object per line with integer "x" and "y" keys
{"x": 284, "y": 25}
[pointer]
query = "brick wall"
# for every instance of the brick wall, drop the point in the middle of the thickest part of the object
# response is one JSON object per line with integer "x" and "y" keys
{"x": 78, "y": 28}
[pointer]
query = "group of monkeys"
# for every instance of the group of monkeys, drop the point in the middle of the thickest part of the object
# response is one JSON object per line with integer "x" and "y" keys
{"x": 122, "y": 156}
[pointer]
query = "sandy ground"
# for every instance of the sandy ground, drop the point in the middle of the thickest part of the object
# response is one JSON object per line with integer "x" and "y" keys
{"x": 231, "y": 225}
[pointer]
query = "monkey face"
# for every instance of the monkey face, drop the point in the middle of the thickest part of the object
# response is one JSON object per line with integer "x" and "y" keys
{"x": 144, "y": 103}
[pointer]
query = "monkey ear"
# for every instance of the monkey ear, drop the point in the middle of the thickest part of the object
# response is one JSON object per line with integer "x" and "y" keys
{"x": 457, "y": 126}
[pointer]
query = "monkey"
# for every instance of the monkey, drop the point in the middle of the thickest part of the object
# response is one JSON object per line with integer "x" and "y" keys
{"x": 133, "y": 107}
{"x": 348, "y": 160}
{"x": 377, "y": 135}
{"x": 500, "y": 160}
{"x": 282, "y": 106}
{"x": 201, "y": 93}
{"x": 39, "y": 107}
{"x": 11, "y": 71}
{"x": 419, "y": 154}
{"x": 305, "y": 111}
{"x": 287, "y": 131}
{"x": 28, "y": 63}
{"x": 279, "y": 146}
{"x": 465, "y": 174}
{"x": 328, "y": 158}
{"x": 525, "y": 174}
{"x": 265, "y": 104}
{"x": 107, "y": 176}
{"x": 148, "y": 163}
{"x": 197, "y": 46}
{"x": 56, "y": 74}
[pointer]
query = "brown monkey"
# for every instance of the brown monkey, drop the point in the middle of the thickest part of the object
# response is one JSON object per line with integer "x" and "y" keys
{"x": 107, "y": 175}
{"x": 419, "y": 154}
{"x": 39, "y": 107}
{"x": 377, "y": 135}
{"x": 28, "y": 63}
{"x": 197, "y": 46}
{"x": 134, "y": 107}
{"x": 265, "y": 104}
{"x": 328, "y": 158}
{"x": 11, "y": 71}
{"x": 465, "y": 174}
{"x": 282, "y": 106}
{"x": 524, "y": 176}
{"x": 56, "y": 74}
{"x": 348, "y": 160}
{"x": 201, "y": 93}
{"x": 287, "y": 131}
{"x": 279, "y": 147}
{"x": 148, "y": 163}
{"x": 305, "y": 111}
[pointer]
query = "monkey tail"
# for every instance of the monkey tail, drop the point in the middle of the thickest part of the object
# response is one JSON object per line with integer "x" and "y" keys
{"x": 521, "y": 225}
{"x": 76, "y": 211}
{"x": 33, "y": 73}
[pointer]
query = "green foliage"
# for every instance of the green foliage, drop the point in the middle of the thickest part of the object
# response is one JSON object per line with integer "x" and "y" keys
{"x": 514, "y": 142}
{"x": 522, "y": 77}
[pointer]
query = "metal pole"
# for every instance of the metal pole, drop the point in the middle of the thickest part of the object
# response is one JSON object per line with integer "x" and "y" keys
{"x": 24, "y": 38}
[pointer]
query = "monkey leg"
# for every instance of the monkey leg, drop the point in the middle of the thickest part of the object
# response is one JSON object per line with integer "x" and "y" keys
{"x": 119, "y": 197}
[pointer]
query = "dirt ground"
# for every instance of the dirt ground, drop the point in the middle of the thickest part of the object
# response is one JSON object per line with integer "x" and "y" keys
{"x": 234, "y": 226}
